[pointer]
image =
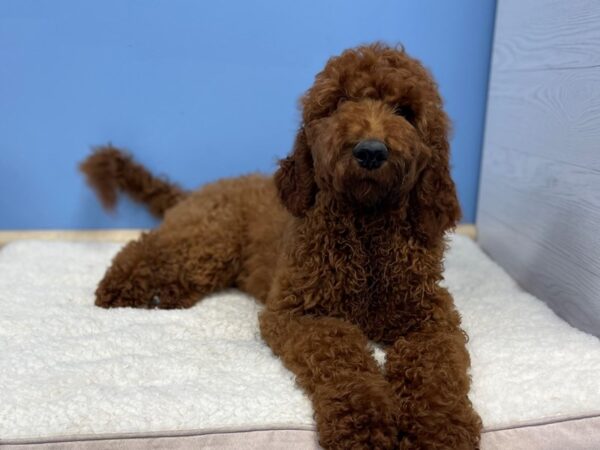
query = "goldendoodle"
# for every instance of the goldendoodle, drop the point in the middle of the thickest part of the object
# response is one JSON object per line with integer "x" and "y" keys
{"x": 344, "y": 244}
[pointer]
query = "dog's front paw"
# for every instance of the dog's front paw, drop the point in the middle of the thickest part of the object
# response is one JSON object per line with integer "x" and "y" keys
{"x": 442, "y": 435}
{"x": 362, "y": 417}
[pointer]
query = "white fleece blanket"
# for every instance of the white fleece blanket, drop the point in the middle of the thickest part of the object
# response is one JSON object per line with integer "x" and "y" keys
{"x": 67, "y": 367}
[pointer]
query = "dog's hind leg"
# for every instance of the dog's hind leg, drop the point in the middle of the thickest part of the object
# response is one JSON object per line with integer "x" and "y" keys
{"x": 195, "y": 252}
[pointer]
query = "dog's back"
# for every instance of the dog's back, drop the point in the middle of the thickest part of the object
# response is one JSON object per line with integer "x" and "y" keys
{"x": 245, "y": 212}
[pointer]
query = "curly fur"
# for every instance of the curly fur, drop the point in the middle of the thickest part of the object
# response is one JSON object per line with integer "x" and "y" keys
{"x": 338, "y": 254}
{"x": 109, "y": 170}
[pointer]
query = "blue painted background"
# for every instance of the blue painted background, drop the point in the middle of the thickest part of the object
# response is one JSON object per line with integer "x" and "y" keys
{"x": 200, "y": 89}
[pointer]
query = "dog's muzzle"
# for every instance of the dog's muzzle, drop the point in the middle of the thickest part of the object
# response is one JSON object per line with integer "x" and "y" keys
{"x": 370, "y": 153}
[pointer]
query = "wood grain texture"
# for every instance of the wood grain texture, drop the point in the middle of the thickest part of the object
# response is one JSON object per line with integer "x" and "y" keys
{"x": 546, "y": 35}
{"x": 539, "y": 201}
{"x": 553, "y": 114}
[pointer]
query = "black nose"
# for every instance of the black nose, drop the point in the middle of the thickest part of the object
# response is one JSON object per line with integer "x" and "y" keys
{"x": 370, "y": 153}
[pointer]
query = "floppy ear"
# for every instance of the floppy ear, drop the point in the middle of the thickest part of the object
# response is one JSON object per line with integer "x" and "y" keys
{"x": 295, "y": 179}
{"x": 434, "y": 206}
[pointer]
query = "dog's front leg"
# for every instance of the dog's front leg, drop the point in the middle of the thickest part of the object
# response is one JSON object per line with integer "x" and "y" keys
{"x": 428, "y": 372}
{"x": 353, "y": 403}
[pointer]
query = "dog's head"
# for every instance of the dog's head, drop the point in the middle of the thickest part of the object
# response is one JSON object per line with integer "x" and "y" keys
{"x": 373, "y": 135}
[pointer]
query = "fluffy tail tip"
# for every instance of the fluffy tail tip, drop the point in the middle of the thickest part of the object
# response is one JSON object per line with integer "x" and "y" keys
{"x": 101, "y": 170}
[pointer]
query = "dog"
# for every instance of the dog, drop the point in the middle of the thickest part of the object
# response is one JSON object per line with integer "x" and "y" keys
{"x": 343, "y": 245}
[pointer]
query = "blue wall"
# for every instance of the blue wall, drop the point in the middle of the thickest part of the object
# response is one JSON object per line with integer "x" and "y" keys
{"x": 200, "y": 89}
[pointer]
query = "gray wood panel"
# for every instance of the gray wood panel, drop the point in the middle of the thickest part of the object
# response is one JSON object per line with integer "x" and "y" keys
{"x": 539, "y": 201}
{"x": 546, "y": 34}
{"x": 553, "y": 114}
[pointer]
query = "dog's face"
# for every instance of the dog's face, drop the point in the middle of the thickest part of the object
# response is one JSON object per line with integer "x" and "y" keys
{"x": 367, "y": 151}
{"x": 373, "y": 124}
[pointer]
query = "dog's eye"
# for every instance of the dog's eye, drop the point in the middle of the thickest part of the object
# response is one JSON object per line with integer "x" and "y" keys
{"x": 406, "y": 112}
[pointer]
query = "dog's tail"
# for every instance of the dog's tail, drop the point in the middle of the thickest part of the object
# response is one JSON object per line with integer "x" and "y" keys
{"x": 109, "y": 170}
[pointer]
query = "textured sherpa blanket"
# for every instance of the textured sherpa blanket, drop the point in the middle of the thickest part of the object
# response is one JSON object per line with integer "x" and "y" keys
{"x": 69, "y": 368}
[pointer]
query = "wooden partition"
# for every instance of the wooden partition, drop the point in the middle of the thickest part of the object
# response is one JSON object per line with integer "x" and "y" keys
{"x": 539, "y": 202}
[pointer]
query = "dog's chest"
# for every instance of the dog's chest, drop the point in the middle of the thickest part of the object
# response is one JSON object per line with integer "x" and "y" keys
{"x": 376, "y": 281}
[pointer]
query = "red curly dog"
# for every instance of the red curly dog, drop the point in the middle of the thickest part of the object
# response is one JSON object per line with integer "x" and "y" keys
{"x": 344, "y": 245}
